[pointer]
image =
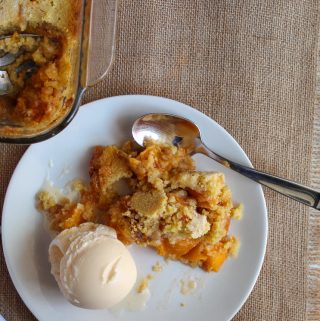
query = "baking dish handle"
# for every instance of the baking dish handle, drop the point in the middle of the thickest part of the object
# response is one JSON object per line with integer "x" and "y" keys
{"x": 99, "y": 41}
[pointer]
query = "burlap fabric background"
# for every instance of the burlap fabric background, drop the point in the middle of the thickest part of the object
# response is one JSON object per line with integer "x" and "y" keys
{"x": 250, "y": 65}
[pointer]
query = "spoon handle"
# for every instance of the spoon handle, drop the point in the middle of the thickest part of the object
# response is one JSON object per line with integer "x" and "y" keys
{"x": 296, "y": 191}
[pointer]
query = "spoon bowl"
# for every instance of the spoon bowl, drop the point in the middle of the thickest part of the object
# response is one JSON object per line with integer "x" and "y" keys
{"x": 165, "y": 128}
{"x": 181, "y": 132}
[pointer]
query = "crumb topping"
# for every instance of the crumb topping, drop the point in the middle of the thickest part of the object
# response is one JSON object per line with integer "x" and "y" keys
{"x": 182, "y": 213}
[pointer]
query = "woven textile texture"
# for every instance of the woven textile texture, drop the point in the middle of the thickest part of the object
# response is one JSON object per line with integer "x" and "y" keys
{"x": 251, "y": 66}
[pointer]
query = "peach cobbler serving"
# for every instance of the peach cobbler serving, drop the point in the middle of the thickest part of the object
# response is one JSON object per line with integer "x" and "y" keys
{"x": 182, "y": 213}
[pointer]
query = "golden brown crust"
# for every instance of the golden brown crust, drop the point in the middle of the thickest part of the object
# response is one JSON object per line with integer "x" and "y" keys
{"x": 108, "y": 165}
{"x": 24, "y": 15}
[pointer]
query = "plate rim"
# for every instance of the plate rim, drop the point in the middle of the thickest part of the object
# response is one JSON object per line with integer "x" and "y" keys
{"x": 15, "y": 282}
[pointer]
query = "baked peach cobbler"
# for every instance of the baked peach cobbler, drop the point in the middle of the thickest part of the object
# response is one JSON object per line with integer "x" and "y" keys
{"x": 37, "y": 90}
{"x": 44, "y": 38}
{"x": 182, "y": 213}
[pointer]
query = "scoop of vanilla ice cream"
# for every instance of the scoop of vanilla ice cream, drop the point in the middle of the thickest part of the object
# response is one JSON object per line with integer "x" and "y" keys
{"x": 93, "y": 269}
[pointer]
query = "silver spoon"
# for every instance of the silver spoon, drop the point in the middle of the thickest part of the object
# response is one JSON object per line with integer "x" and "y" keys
{"x": 8, "y": 58}
{"x": 5, "y": 83}
{"x": 182, "y": 132}
{"x": 6, "y": 86}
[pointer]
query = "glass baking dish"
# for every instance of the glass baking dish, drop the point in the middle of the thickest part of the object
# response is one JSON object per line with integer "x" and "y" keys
{"x": 90, "y": 50}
